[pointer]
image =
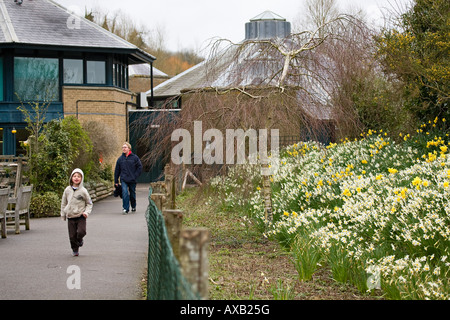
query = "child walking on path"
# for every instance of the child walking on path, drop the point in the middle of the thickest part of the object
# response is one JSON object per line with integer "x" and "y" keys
{"x": 76, "y": 205}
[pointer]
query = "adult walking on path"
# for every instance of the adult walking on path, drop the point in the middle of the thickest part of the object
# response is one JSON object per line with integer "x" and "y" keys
{"x": 36, "y": 265}
{"x": 128, "y": 169}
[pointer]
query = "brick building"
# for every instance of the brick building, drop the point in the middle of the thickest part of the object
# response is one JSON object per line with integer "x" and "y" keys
{"x": 49, "y": 54}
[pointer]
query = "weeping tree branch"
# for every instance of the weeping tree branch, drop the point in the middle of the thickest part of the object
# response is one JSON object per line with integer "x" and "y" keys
{"x": 283, "y": 83}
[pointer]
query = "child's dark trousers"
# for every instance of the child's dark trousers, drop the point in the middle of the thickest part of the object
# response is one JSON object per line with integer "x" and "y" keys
{"x": 77, "y": 231}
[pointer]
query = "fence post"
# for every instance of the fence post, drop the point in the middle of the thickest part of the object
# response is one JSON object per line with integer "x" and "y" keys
{"x": 159, "y": 199}
{"x": 173, "y": 220}
{"x": 267, "y": 192}
{"x": 194, "y": 250}
{"x": 171, "y": 191}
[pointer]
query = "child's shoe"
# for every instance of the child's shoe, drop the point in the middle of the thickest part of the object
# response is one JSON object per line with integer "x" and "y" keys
{"x": 75, "y": 254}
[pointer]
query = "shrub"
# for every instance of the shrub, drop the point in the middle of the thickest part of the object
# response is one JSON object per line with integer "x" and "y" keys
{"x": 106, "y": 172}
{"x": 47, "y": 204}
{"x": 50, "y": 166}
{"x": 80, "y": 144}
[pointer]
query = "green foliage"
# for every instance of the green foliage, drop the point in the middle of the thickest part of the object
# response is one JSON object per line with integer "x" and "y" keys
{"x": 51, "y": 165}
{"x": 80, "y": 144}
{"x": 417, "y": 54}
{"x": 47, "y": 204}
{"x": 378, "y": 105}
{"x": 106, "y": 172}
{"x": 340, "y": 263}
{"x": 282, "y": 291}
{"x": 306, "y": 257}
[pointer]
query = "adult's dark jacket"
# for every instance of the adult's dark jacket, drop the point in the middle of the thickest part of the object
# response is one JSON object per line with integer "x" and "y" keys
{"x": 128, "y": 168}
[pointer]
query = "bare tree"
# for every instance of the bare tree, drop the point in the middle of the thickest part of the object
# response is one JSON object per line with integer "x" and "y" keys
{"x": 122, "y": 25}
{"x": 316, "y": 13}
{"x": 260, "y": 84}
{"x": 302, "y": 85}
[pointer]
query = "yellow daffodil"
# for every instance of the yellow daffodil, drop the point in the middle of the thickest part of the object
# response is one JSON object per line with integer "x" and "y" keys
{"x": 392, "y": 170}
{"x": 347, "y": 193}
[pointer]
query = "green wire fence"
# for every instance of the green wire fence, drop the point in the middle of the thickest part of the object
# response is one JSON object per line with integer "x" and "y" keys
{"x": 164, "y": 280}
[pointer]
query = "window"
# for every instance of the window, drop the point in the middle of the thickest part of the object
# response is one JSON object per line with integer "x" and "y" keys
{"x": 1, "y": 141}
{"x": 36, "y": 79}
{"x": 114, "y": 75}
{"x": 96, "y": 72}
{"x": 73, "y": 71}
{"x": 1, "y": 78}
{"x": 117, "y": 74}
{"x": 126, "y": 78}
{"x": 120, "y": 75}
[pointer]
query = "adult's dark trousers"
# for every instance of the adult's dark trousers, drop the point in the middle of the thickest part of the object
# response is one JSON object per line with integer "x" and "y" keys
{"x": 77, "y": 231}
{"x": 128, "y": 195}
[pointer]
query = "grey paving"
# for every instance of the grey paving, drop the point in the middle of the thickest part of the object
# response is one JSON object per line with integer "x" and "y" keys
{"x": 38, "y": 263}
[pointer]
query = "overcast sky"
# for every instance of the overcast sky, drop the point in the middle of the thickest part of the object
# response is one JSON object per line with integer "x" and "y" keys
{"x": 190, "y": 24}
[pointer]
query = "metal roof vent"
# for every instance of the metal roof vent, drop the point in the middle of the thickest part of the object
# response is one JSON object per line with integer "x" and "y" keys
{"x": 267, "y": 25}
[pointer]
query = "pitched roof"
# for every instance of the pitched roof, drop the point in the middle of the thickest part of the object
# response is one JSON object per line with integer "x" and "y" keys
{"x": 268, "y": 15}
{"x": 46, "y": 23}
{"x": 144, "y": 70}
{"x": 221, "y": 71}
{"x": 191, "y": 78}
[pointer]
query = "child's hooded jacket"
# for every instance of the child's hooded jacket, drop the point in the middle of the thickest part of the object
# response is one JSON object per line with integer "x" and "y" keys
{"x": 75, "y": 201}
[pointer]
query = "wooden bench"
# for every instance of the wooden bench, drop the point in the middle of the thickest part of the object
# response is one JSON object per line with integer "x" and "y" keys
{"x": 4, "y": 197}
{"x": 21, "y": 207}
{"x": 11, "y": 172}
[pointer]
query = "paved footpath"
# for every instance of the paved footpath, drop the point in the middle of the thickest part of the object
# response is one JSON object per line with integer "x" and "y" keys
{"x": 38, "y": 264}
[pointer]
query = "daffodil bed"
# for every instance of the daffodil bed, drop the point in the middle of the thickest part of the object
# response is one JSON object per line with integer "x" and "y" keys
{"x": 374, "y": 210}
